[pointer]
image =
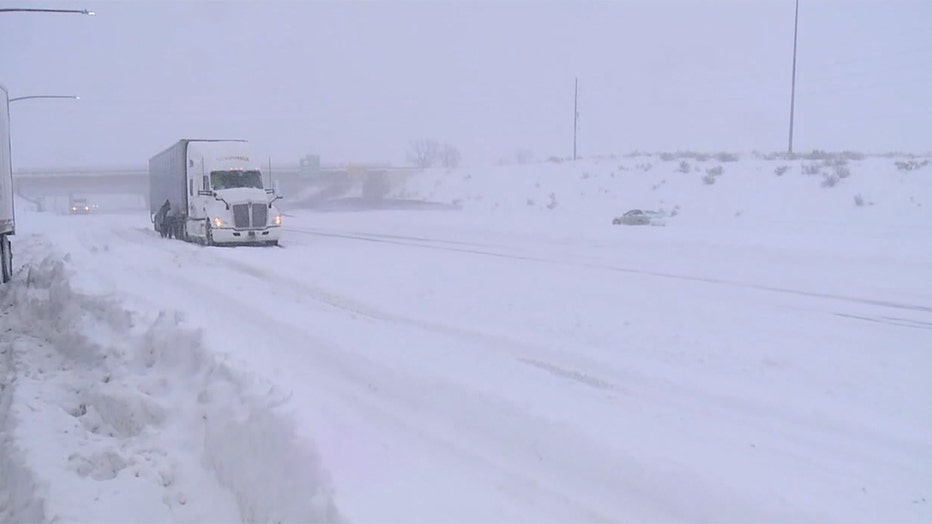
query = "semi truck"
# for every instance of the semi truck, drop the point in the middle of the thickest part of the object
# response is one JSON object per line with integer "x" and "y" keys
{"x": 211, "y": 192}
{"x": 7, "y": 219}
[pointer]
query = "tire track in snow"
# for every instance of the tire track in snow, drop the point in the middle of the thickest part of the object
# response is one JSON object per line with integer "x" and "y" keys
{"x": 426, "y": 243}
{"x": 461, "y": 419}
{"x": 769, "y": 419}
{"x": 593, "y": 374}
{"x": 572, "y": 366}
{"x": 793, "y": 427}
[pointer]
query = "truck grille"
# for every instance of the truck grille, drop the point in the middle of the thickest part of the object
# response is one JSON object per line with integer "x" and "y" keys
{"x": 243, "y": 219}
{"x": 241, "y": 215}
{"x": 260, "y": 215}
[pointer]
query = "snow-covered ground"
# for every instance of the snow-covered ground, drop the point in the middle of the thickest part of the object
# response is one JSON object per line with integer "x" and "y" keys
{"x": 508, "y": 356}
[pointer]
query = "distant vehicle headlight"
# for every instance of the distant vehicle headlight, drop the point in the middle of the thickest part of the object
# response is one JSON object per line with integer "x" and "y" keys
{"x": 278, "y": 220}
{"x": 218, "y": 222}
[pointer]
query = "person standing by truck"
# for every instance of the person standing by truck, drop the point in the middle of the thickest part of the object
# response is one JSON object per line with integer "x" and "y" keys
{"x": 161, "y": 220}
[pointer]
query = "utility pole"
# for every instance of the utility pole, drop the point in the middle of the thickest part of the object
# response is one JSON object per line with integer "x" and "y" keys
{"x": 575, "y": 115}
{"x": 793, "y": 85}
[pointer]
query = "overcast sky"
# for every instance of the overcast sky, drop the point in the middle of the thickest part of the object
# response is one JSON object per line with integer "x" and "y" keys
{"x": 357, "y": 81}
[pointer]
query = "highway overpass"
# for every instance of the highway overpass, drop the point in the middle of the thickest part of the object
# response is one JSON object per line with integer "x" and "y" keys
{"x": 51, "y": 188}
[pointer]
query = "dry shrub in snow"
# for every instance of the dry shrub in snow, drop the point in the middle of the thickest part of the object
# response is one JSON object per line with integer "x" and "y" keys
{"x": 711, "y": 174}
{"x": 726, "y": 157}
{"x": 830, "y": 180}
{"x": 909, "y": 165}
{"x": 812, "y": 169}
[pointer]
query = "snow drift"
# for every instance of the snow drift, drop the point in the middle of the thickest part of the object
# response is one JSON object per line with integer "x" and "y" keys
{"x": 136, "y": 417}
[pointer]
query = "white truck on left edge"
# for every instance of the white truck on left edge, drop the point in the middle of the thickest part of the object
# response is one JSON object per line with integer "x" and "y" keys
{"x": 7, "y": 219}
{"x": 211, "y": 192}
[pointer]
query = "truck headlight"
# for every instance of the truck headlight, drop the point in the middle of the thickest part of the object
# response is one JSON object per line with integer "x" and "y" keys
{"x": 218, "y": 222}
{"x": 278, "y": 220}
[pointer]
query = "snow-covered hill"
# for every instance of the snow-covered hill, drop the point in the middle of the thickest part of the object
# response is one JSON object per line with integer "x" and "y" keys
{"x": 697, "y": 189}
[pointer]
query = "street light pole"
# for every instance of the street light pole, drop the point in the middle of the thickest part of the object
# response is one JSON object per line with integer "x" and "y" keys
{"x": 575, "y": 115}
{"x": 793, "y": 85}
{"x": 71, "y": 97}
{"x": 35, "y": 10}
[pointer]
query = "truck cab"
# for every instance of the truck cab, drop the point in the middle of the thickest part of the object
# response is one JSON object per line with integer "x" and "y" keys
{"x": 228, "y": 202}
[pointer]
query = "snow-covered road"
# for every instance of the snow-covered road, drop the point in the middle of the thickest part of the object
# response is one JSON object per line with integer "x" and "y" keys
{"x": 442, "y": 366}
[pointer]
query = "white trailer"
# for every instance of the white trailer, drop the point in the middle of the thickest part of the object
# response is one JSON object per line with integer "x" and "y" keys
{"x": 211, "y": 192}
{"x": 7, "y": 218}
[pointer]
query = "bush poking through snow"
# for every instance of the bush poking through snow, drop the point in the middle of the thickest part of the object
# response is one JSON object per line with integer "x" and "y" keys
{"x": 726, "y": 157}
{"x": 910, "y": 165}
{"x": 829, "y": 180}
{"x": 711, "y": 174}
{"x": 858, "y": 200}
{"x": 692, "y": 155}
{"x": 812, "y": 169}
{"x": 813, "y": 155}
{"x": 780, "y": 170}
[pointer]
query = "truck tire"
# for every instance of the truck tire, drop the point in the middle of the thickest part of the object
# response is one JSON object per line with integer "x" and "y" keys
{"x": 179, "y": 229}
{"x": 6, "y": 259}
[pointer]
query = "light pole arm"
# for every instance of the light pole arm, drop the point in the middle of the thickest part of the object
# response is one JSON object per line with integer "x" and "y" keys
{"x": 36, "y": 10}
{"x": 44, "y": 96}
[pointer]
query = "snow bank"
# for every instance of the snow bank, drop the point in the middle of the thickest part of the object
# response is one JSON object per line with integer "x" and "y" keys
{"x": 692, "y": 188}
{"x": 107, "y": 417}
{"x": 20, "y": 497}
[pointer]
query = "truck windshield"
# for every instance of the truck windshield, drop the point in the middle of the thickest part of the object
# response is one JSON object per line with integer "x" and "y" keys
{"x": 231, "y": 179}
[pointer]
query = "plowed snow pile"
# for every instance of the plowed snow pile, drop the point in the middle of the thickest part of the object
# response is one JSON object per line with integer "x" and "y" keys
{"x": 107, "y": 415}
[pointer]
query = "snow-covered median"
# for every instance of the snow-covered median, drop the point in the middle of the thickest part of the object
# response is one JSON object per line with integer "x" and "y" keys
{"x": 106, "y": 416}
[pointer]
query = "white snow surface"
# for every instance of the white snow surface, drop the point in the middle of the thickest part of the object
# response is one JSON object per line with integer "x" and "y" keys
{"x": 763, "y": 353}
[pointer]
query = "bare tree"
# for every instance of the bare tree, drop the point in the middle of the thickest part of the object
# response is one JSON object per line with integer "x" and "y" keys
{"x": 449, "y": 156}
{"x": 423, "y": 152}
